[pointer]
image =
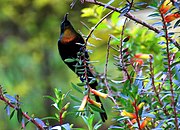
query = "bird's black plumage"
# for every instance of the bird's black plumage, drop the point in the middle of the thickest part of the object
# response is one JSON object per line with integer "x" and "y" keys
{"x": 70, "y": 46}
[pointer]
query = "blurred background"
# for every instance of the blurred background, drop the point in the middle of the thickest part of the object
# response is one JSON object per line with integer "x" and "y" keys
{"x": 30, "y": 65}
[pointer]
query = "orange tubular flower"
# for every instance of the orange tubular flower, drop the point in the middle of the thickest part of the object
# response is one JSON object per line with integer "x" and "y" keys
{"x": 145, "y": 122}
{"x": 138, "y": 58}
{"x": 83, "y": 104}
{"x": 165, "y": 6}
{"x": 171, "y": 17}
{"x": 139, "y": 61}
{"x": 140, "y": 106}
{"x": 100, "y": 94}
{"x": 142, "y": 56}
{"x": 94, "y": 103}
{"x": 128, "y": 114}
{"x": 131, "y": 122}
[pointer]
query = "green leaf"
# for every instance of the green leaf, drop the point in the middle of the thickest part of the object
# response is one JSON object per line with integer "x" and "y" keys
{"x": 12, "y": 114}
{"x": 11, "y": 98}
{"x": 93, "y": 20}
{"x": 49, "y": 118}
{"x": 87, "y": 12}
{"x": 58, "y": 93}
{"x": 140, "y": 3}
{"x": 40, "y": 122}
{"x": 76, "y": 88}
{"x": 154, "y": 15}
{"x": 175, "y": 63}
{"x": 80, "y": 84}
{"x": 59, "y": 104}
{"x": 66, "y": 126}
{"x": 76, "y": 99}
{"x": 99, "y": 10}
{"x": 135, "y": 89}
{"x": 89, "y": 121}
{"x": 154, "y": 4}
{"x": 93, "y": 80}
{"x": 7, "y": 109}
{"x": 19, "y": 115}
{"x": 95, "y": 108}
{"x": 159, "y": 24}
{"x": 53, "y": 99}
{"x": 109, "y": 3}
{"x": 125, "y": 10}
{"x": 148, "y": 115}
{"x": 69, "y": 60}
{"x": 98, "y": 125}
{"x": 81, "y": 73}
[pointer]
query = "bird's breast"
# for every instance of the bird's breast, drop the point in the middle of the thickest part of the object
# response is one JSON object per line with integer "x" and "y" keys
{"x": 67, "y": 37}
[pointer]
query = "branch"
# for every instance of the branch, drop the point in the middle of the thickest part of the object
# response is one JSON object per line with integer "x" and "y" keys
{"x": 173, "y": 104}
{"x": 132, "y": 17}
{"x": 105, "y": 75}
{"x": 106, "y": 66}
{"x": 136, "y": 112}
{"x": 154, "y": 87}
{"x": 121, "y": 52}
{"x": 15, "y": 108}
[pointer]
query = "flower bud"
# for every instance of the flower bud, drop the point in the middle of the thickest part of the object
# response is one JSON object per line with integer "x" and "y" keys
{"x": 100, "y": 94}
{"x": 171, "y": 17}
{"x": 64, "y": 114}
{"x": 140, "y": 106}
{"x": 128, "y": 114}
{"x": 145, "y": 122}
{"x": 165, "y": 6}
{"x": 66, "y": 106}
{"x": 142, "y": 56}
{"x": 94, "y": 103}
{"x": 83, "y": 104}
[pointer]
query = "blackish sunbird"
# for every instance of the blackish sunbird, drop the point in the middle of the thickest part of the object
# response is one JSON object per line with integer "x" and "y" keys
{"x": 71, "y": 49}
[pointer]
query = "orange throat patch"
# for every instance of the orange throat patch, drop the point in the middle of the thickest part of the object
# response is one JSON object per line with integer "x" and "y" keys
{"x": 68, "y": 36}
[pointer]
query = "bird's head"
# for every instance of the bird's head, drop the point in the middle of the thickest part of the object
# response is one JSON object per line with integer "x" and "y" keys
{"x": 65, "y": 23}
{"x": 67, "y": 31}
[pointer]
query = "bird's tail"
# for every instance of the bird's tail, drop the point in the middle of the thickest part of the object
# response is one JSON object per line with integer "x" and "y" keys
{"x": 102, "y": 114}
{"x": 93, "y": 86}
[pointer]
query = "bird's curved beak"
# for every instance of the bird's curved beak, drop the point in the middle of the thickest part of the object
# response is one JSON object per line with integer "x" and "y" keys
{"x": 65, "y": 17}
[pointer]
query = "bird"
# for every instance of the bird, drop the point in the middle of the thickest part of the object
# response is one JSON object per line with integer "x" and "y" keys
{"x": 71, "y": 45}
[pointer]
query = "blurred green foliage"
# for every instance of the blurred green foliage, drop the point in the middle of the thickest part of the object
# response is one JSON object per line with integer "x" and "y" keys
{"x": 29, "y": 61}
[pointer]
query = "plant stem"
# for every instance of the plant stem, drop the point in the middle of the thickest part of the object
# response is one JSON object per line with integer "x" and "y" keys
{"x": 106, "y": 66}
{"x": 23, "y": 113}
{"x": 137, "y": 116}
{"x": 154, "y": 87}
{"x": 169, "y": 71}
{"x": 121, "y": 52}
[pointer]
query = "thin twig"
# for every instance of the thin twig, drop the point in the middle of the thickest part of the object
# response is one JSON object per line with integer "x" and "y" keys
{"x": 121, "y": 52}
{"x": 89, "y": 35}
{"x": 105, "y": 74}
{"x": 137, "y": 116}
{"x": 106, "y": 66}
{"x": 95, "y": 26}
{"x": 166, "y": 76}
{"x": 154, "y": 87}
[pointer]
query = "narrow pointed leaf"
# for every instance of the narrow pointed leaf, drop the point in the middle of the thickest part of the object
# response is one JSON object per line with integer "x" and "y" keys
{"x": 76, "y": 88}
{"x": 19, "y": 115}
